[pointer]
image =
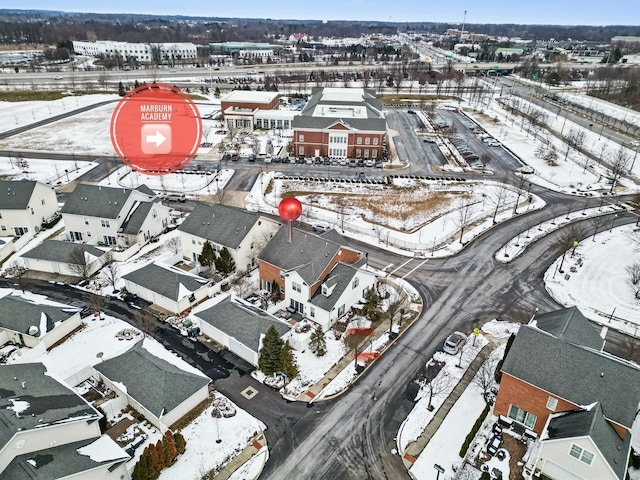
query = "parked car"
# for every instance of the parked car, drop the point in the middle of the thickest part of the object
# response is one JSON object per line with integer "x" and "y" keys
{"x": 252, "y": 157}
{"x": 454, "y": 343}
{"x": 428, "y": 140}
{"x": 326, "y": 161}
{"x": 368, "y": 163}
{"x": 309, "y": 161}
{"x": 320, "y": 227}
{"x": 292, "y": 159}
{"x": 267, "y": 158}
{"x": 317, "y": 161}
{"x": 379, "y": 164}
{"x": 234, "y": 157}
{"x": 343, "y": 161}
{"x": 352, "y": 163}
{"x": 411, "y": 111}
{"x": 361, "y": 162}
{"x": 177, "y": 197}
{"x": 362, "y": 177}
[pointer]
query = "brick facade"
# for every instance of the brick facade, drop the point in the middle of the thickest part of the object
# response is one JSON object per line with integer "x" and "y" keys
{"x": 312, "y": 143}
{"x": 529, "y": 398}
{"x": 224, "y": 104}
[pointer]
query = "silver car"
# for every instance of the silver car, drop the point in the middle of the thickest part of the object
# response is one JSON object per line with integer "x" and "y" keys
{"x": 454, "y": 343}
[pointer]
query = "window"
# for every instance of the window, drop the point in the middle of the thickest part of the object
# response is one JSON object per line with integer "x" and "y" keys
{"x": 355, "y": 283}
{"x": 358, "y": 152}
{"x": 366, "y": 153}
{"x": 296, "y": 287}
{"x": 359, "y": 141}
{"x": 375, "y": 141}
{"x": 367, "y": 141}
{"x": 301, "y": 138}
{"x": 579, "y": 453}
{"x": 552, "y": 403}
{"x": 312, "y": 312}
{"x": 374, "y": 153}
{"x": 192, "y": 298}
{"x": 19, "y": 231}
{"x": 104, "y": 223}
{"x": 301, "y": 151}
{"x": 341, "y": 310}
{"x": 520, "y": 416}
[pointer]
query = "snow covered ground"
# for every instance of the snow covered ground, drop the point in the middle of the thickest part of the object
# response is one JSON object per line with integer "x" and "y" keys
{"x": 600, "y": 285}
{"x": 51, "y": 172}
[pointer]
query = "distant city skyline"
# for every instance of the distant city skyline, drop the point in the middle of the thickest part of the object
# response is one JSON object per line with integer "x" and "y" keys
{"x": 552, "y": 12}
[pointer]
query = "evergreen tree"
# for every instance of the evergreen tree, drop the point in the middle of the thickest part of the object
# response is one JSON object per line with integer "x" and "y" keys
{"x": 162, "y": 458}
{"x": 288, "y": 363}
{"x": 140, "y": 470}
{"x": 317, "y": 343}
{"x": 181, "y": 443}
{"x": 217, "y": 93}
{"x": 136, "y": 84}
{"x": 372, "y": 305}
{"x": 153, "y": 465}
{"x": 208, "y": 257}
{"x": 169, "y": 446}
{"x": 270, "y": 358}
{"x": 121, "y": 90}
{"x": 224, "y": 263}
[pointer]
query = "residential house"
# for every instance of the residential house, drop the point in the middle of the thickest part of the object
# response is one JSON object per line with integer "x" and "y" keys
{"x": 313, "y": 273}
{"x": 25, "y": 322}
{"x": 114, "y": 216}
{"x": 49, "y": 431}
{"x": 65, "y": 258}
{"x": 163, "y": 389}
{"x": 556, "y": 364}
{"x": 166, "y": 286}
{"x": 24, "y": 206}
{"x": 580, "y": 444}
{"x": 243, "y": 233}
{"x": 238, "y": 326}
{"x": 340, "y": 123}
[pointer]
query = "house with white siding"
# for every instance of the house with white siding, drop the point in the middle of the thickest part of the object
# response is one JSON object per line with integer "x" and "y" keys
{"x": 95, "y": 214}
{"x": 24, "y": 206}
{"x": 65, "y": 258}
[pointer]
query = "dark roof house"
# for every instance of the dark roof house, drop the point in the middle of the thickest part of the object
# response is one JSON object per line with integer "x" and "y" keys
{"x": 15, "y": 195}
{"x": 167, "y": 281}
{"x": 30, "y": 318}
{"x": 98, "y": 201}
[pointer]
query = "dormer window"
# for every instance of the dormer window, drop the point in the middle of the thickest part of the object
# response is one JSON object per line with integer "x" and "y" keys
{"x": 325, "y": 290}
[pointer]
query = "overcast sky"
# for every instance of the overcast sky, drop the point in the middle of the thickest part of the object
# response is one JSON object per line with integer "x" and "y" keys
{"x": 562, "y": 12}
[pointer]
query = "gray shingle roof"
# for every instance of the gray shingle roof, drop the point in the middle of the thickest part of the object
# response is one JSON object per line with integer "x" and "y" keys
{"x": 341, "y": 276}
{"x": 592, "y": 423}
{"x": 220, "y": 224}
{"x": 308, "y": 254}
{"x": 165, "y": 280}
{"x": 370, "y": 124}
{"x": 242, "y": 321}
{"x": 156, "y": 384}
{"x": 60, "y": 251}
{"x": 570, "y": 325}
{"x": 56, "y": 462}
{"x": 15, "y": 195}
{"x": 18, "y": 314}
{"x": 133, "y": 223}
{"x": 98, "y": 201}
{"x": 578, "y": 374}
{"x": 49, "y": 401}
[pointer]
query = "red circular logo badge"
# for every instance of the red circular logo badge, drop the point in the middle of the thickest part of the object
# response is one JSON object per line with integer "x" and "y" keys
{"x": 156, "y": 129}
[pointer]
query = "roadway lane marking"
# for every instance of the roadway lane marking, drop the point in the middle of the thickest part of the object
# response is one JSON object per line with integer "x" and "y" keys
{"x": 416, "y": 267}
{"x": 400, "y": 266}
{"x": 384, "y": 269}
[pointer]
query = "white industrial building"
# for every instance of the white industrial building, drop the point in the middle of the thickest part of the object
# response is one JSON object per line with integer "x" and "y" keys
{"x": 142, "y": 52}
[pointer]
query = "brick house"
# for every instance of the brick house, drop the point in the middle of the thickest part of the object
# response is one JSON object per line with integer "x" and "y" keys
{"x": 314, "y": 272}
{"x": 556, "y": 364}
{"x": 340, "y": 123}
{"x": 240, "y": 106}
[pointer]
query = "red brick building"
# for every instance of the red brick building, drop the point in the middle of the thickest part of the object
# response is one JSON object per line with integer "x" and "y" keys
{"x": 340, "y": 123}
{"x": 556, "y": 364}
{"x": 240, "y": 106}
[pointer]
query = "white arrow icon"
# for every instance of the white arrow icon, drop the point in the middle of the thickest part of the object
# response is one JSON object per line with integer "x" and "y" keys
{"x": 158, "y": 138}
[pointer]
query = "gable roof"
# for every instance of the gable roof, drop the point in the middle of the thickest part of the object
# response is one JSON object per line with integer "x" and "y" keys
{"x": 64, "y": 460}
{"x": 30, "y": 398}
{"x": 570, "y": 325}
{"x": 575, "y": 373}
{"x": 60, "y": 251}
{"x": 341, "y": 276}
{"x": 15, "y": 195}
{"x": 241, "y": 320}
{"x": 19, "y": 314}
{"x": 591, "y": 422}
{"x": 156, "y": 384}
{"x": 308, "y": 254}
{"x": 168, "y": 281}
{"x": 99, "y": 201}
{"x": 136, "y": 217}
{"x": 221, "y": 224}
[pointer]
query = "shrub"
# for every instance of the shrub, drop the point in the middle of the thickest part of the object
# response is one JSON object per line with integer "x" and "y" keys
{"x": 474, "y": 431}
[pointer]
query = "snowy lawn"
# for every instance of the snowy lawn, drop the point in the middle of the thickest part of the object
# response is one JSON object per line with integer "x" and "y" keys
{"x": 253, "y": 467}
{"x": 600, "y": 284}
{"x": 203, "y": 452}
{"x": 51, "y": 172}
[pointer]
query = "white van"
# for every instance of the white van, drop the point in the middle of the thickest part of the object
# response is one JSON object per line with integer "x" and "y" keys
{"x": 177, "y": 197}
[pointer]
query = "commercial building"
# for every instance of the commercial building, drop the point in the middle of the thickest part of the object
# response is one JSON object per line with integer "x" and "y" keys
{"x": 340, "y": 123}
{"x": 141, "y": 52}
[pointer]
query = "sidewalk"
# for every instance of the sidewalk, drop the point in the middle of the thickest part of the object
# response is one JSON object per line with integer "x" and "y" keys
{"x": 244, "y": 456}
{"x": 414, "y": 450}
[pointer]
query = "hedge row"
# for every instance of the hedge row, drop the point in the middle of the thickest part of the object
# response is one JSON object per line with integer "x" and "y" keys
{"x": 474, "y": 431}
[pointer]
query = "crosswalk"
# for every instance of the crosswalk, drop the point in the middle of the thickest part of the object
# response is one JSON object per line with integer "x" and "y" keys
{"x": 404, "y": 269}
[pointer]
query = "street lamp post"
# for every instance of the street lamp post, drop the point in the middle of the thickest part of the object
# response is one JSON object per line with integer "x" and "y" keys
{"x": 439, "y": 470}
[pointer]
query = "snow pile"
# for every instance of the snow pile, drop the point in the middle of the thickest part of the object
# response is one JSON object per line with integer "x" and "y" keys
{"x": 102, "y": 450}
{"x": 18, "y": 406}
{"x": 252, "y": 467}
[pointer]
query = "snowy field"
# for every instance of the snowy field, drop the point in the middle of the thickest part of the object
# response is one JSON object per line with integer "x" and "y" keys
{"x": 600, "y": 285}
{"x": 51, "y": 172}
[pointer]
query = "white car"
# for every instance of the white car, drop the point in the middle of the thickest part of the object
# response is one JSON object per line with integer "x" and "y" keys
{"x": 454, "y": 343}
{"x": 320, "y": 227}
{"x": 57, "y": 77}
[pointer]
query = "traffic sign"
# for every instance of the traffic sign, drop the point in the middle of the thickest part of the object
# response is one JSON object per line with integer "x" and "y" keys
{"x": 496, "y": 67}
{"x": 535, "y": 77}
{"x": 156, "y": 129}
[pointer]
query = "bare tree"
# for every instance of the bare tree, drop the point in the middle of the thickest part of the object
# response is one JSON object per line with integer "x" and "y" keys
{"x": 485, "y": 159}
{"x": 17, "y": 271}
{"x": 633, "y": 271}
{"x": 173, "y": 245}
{"x": 573, "y": 140}
{"x": 566, "y": 241}
{"x": 103, "y": 79}
{"x": 78, "y": 264}
{"x": 484, "y": 378}
{"x": 435, "y": 381}
{"x": 619, "y": 164}
{"x": 499, "y": 197}
{"x": 464, "y": 215}
{"x": 111, "y": 274}
{"x": 597, "y": 223}
{"x": 396, "y": 302}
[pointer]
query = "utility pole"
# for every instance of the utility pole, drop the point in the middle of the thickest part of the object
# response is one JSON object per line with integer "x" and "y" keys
{"x": 464, "y": 20}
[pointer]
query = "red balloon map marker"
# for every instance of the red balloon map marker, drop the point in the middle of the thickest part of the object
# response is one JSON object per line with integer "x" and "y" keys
{"x": 156, "y": 129}
{"x": 290, "y": 209}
